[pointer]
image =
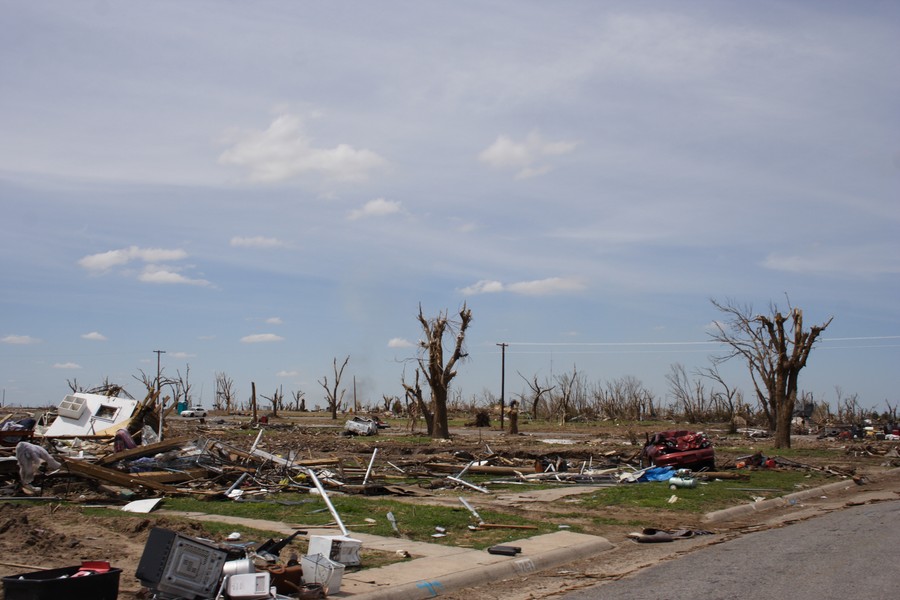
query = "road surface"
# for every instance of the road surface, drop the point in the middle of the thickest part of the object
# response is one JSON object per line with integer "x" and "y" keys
{"x": 849, "y": 553}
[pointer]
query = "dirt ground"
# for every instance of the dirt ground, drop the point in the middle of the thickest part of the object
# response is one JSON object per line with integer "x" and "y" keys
{"x": 59, "y": 534}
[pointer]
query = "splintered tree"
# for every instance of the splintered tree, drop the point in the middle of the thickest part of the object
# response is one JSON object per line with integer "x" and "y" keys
{"x": 431, "y": 362}
{"x": 332, "y": 396}
{"x": 225, "y": 393}
{"x": 775, "y": 348}
{"x": 415, "y": 404}
{"x": 277, "y": 400}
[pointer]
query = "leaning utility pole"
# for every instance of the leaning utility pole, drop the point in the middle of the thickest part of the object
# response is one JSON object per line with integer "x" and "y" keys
{"x": 502, "y": 380}
{"x": 159, "y": 399}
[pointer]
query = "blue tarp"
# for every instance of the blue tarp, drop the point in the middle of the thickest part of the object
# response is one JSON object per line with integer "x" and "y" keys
{"x": 657, "y": 474}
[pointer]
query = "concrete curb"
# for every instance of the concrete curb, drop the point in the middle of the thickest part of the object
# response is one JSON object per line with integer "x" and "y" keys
{"x": 789, "y": 500}
{"x": 482, "y": 574}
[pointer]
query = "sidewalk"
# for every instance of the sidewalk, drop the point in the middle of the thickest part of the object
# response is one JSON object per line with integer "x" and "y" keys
{"x": 436, "y": 569}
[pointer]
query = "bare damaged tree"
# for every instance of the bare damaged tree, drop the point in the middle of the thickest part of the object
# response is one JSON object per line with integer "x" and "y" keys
{"x": 431, "y": 362}
{"x": 331, "y": 393}
{"x": 299, "y": 400}
{"x": 415, "y": 405}
{"x": 183, "y": 383}
{"x": 571, "y": 389}
{"x": 537, "y": 391}
{"x": 776, "y": 348}
{"x": 225, "y": 393}
{"x": 728, "y": 401}
{"x": 277, "y": 400}
{"x": 691, "y": 395}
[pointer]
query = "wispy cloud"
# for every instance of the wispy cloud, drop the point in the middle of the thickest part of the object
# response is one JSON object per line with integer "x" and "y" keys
{"x": 528, "y": 157}
{"x": 256, "y": 242}
{"x": 168, "y": 275}
{"x": 94, "y": 336}
{"x": 284, "y": 151}
{"x": 539, "y": 287}
{"x": 20, "y": 339}
{"x": 375, "y": 208}
{"x": 261, "y": 338}
{"x": 291, "y": 373}
{"x": 399, "y": 343}
{"x": 116, "y": 258}
{"x": 68, "y": 365}
{"x": 274, "y": 321}
{"x": 153, "y": 271}
{"x": 182, "y": 355}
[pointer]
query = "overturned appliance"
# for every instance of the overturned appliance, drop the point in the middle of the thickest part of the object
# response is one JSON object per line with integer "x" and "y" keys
{"x": 680, "y": 449}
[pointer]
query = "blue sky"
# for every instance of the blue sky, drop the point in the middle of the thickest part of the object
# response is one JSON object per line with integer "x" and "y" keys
{"x": 258, "y": 188}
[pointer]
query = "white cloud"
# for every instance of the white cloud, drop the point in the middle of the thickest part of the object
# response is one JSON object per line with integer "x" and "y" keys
{"x": 274, "y": 321}
{"x": 20, "y": 339}
{"x": 182, "y": 355}
{"x": 376, "y": 208}
{"x": 94, "y": 336}
{"x": 527, "y": 156}
{"x": 292, "y": 373}
{"x": 114, "y": 258}
{"x": 158, "y": 274}
{"x": 399, "y": 343}
{"x": 539, "y": 287}
{"x": 256, "y": 242}
{"x": 483, "y": 287}
{"x": 68, "y": 365}
{"x": 152, "y": 272}
{"x": 284, "y": 151}
{"x": 261, "y": 337}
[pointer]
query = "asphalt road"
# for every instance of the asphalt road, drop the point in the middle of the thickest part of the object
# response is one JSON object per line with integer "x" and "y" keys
{"x": 850, "y": 553}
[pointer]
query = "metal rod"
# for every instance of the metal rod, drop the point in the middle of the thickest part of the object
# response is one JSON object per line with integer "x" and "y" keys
{"x": 334, "y": 512}
{"x": 369, "y": 470}
{"x": 471, "y": 510}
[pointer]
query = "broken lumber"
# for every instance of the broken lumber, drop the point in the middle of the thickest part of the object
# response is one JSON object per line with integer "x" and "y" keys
{"x": 111, "y": 476}
{"x": 142, "y": 451}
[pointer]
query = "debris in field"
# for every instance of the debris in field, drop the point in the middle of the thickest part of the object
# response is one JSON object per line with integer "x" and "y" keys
{"x": 361, "y": 426}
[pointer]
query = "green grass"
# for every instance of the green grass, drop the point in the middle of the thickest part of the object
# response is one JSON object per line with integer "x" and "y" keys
{"x": 369, "y": 515}
{"x": 704, "y": 498}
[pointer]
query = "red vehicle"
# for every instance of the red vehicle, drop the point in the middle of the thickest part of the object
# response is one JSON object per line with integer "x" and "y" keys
{"x": 680, "y": 449}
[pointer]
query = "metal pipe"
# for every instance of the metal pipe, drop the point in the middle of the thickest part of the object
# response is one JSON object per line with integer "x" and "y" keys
{"x": 334, "y": 512}
{"x": 369, "y": 470}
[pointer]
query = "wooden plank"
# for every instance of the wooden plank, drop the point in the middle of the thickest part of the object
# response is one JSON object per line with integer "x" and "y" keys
{"x": 141, "y": 451}
{"x": 109, "y": 475}
{"x": 172, "y": 476}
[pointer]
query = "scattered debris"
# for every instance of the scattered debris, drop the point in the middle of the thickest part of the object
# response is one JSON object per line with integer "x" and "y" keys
{"x": 680, "y": 448}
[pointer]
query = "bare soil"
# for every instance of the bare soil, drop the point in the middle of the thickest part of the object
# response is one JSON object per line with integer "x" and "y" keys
{"x": 58, "y": 534}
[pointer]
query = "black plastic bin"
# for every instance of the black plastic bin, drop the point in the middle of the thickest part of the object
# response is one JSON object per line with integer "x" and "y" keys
{"x": 56, "y": 584}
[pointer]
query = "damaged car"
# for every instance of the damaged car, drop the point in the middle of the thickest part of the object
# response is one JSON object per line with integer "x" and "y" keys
{"x": 679, "y": 449}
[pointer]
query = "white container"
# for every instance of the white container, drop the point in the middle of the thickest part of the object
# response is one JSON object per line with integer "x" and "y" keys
{"x": 318, "y": 568}
{"x": 338, "y": 548}
{"x": 249, "y": 586}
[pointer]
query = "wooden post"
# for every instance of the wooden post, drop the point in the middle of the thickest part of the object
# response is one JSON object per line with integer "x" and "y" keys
{"x": 253, "y": 399}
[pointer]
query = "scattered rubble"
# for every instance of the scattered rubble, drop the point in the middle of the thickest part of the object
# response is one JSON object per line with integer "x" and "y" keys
{"x": 129, "y": 464}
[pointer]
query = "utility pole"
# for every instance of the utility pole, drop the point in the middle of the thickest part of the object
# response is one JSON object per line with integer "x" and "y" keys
{"x": 502, "y": 380}
{"x": 159, "y": 399}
